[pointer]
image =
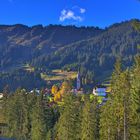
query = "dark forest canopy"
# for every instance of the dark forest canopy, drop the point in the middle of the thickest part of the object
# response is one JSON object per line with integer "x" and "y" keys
{"x": 78, "y": 117}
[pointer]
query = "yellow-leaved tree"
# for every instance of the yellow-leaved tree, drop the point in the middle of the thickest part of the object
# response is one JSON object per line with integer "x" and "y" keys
{"x": 54, "y": 89}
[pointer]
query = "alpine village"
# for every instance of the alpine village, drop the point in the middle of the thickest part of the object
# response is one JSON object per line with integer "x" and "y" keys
{"x": 70, "y": 82}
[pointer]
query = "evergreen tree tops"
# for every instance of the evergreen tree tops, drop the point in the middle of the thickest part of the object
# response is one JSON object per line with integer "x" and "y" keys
{"x": 80, "y": 117}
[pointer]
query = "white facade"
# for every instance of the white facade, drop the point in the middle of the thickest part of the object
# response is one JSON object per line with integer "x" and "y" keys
{"x": 78, "y": 82}
{"x": 1, "y": 95}
{"x": 99, "y": 91}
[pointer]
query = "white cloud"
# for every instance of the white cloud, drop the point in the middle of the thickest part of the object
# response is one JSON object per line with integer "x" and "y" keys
{"x": 69, "y": 14}
{"x": 82, "y": 10}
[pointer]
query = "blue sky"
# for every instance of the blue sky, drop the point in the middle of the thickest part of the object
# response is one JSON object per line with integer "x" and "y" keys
{"x": 100, "y": 13}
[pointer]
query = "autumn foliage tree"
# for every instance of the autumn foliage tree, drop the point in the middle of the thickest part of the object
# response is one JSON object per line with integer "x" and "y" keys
{"x": 64, "y": 89}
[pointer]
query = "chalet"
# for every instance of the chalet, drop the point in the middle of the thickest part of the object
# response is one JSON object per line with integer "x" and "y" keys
{"x": 100, "y": 90}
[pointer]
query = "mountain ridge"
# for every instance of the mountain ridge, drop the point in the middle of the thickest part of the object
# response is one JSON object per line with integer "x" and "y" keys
{"x": 91, "y": 50}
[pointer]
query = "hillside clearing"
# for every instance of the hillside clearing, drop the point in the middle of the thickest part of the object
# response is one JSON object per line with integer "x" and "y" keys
{"x": 58, "y": 75}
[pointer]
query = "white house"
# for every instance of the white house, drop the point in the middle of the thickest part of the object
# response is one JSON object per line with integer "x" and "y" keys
{"x": 1, "y": 95}
{"x": 99, "y": 91}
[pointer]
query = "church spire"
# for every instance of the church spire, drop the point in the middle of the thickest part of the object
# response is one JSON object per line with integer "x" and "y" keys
{"x": 78, "y": 81}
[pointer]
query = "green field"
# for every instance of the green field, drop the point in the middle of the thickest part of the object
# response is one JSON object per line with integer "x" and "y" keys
{"x": 58, "y": 75}
{"x": 29, "y": 68}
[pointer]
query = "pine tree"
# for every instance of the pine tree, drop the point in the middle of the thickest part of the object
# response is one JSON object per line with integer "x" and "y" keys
{"x": 126, "y": 103}
{"x": 89, "y": 125}
{"x": 135, "y": 101}
{"x": 107, "y": 122}
{"x": 16, "y": 115}
{"x": 115, "y": 116}
{"x": 30, "y": 100}
{"x": 116, "y": 103}
{"x": 69, "y": 122}
{"x": 38, "y": 131}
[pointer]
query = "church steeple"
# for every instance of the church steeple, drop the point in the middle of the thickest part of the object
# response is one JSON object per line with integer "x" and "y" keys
{"x": 78, "y": 81}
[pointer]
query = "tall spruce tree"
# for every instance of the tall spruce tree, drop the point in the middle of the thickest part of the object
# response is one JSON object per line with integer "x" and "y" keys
{"x": 107, "y": 122}
{"x": 89, "y": 124}
{"x": 30, "y": 100}
{"x": 115, "y": 116}
{"x": 135, "y": 101}
{"x": 38, "y": 131}
{"x": 115, "y": 102}
{"x": 16, "y": 115}
{"x": 69, "y": 122}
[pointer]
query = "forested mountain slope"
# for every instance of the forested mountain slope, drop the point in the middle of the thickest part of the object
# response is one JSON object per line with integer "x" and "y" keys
{"x": 91, "y": 50}
{"x": 20, "y": 44}
{"x": 98, "y": 53}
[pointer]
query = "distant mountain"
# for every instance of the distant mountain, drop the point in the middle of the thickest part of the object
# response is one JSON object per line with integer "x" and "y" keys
{"x": 97, "y": 54}
{"x": 20, "y": 44}
{"x": 90, "y": 49}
